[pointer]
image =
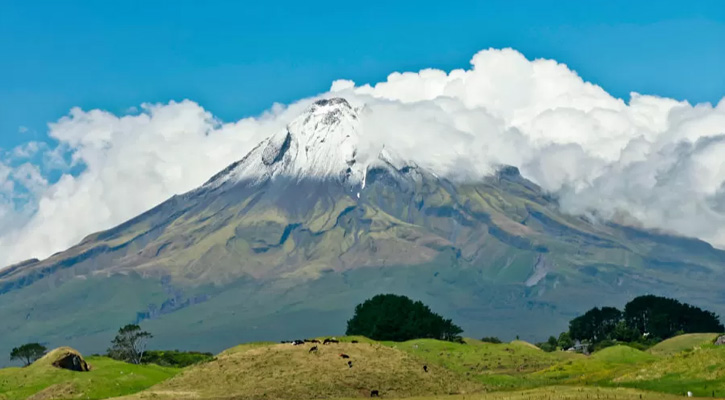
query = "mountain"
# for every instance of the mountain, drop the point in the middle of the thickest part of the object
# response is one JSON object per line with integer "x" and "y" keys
{"x": 285, "y": 242}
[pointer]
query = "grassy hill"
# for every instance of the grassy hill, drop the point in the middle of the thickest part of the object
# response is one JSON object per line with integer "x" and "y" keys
{"x": 561, "y": 393}
{"x": 107, "y": 378}
{"x": 283, "y": 371}
{"x": 700, "y": 370}
{"x": 498, "y": 366}
{"x": 473, "y": 370}
{"x": 681, "y": 343}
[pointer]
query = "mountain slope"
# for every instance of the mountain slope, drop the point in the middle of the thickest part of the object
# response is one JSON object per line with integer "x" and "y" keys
{"x": 287, "y": 240}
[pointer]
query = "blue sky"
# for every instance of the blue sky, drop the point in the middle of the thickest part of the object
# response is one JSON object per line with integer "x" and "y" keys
{"x": 237, "y": 58}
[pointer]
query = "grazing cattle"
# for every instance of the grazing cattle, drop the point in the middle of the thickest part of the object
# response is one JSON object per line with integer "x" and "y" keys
{"x": 374, "y": 393}
{"x": 343, "y": 355}
{"x": 298, "y": 342}
{"x": 328, "y": 341}
{"x": 425, "y": 368}
{"x": 313, "y": 348}
{"x": 354, "y": 341}
{"x": 349, "y": 364}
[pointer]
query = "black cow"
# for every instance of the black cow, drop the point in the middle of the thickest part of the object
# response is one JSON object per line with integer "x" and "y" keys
{"x": 298, "y": 342}
{"x": 349, "y": 364}
{"x": 374, "y": 393}
{"x": 343, "y": 355}
{"x": 425, "y": 368}
{"x": 313, "y": 348}
{"x": 328, "y": 341}
{"x": 354, "y": 341}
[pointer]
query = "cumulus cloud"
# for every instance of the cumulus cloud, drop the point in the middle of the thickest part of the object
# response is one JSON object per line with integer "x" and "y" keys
{"x": 657, "y": 161}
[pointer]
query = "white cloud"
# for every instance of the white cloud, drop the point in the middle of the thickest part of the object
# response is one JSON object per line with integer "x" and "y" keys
{"x": 655, "y": 159}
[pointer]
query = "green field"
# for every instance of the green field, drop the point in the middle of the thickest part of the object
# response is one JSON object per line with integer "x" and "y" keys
{"x": 107, "y": 378}
{"x": 472, "y": 370}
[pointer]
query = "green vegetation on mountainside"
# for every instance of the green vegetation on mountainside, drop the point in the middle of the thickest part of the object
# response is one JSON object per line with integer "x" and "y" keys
{"x": 235, "y": 265}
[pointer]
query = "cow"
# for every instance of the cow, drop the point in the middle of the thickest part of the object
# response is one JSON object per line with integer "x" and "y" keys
{"x": 328, "y": 341}
{"x": 312, "y": 349}
{"x": 425, "y": 368}
{"x": 354, "y": 341}
{"x": 349, "y": 364}
{"x": 343, "y": 355}
{"x": 298, "y": 342}
{"x": 374, "y": 393}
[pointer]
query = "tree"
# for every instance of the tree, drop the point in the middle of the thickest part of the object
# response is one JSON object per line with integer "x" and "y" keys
{"x": 549, "y": 345}
{"x": 565, "y": 342}
{"x": 130, "y": 344}
{"x": 595, "y": 325}
{"x": 398, "y": 318}
{"x": 663, "y": 317}
{"x": 28, "y": 353}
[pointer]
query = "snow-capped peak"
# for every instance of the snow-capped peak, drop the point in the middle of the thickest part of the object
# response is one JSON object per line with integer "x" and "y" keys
{"x": 321, "y": 143}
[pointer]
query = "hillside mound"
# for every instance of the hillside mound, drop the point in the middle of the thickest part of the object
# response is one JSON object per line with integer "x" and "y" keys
{"x": 284, "y": 371}
{"x": 105, "y": 378}
{"x": 64, "y": 358}
{"x": 621, "y": 354}
{"x": 700, "y": 370}
{"x": 681, "y": 343}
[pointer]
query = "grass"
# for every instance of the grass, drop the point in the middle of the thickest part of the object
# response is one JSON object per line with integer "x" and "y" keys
{"x": 498, "y": 366}
{"x": 560, "y": 392}
{"x": 475, "y": 370}
{"x": 683, "y": 342}
{"x": 107, "y": 378}
{"x": 700, "y": 370}
{"x": 283, "y": 371}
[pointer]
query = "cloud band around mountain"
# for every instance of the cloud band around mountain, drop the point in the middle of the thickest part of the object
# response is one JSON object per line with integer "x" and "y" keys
{"x": 651, "y": 161}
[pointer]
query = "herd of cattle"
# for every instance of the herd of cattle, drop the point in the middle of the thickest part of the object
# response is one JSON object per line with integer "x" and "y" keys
{"x": 314, "y": 349}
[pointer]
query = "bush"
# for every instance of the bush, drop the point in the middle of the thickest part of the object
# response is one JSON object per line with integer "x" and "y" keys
{"x": 175, "y": 358}
{"x": 398, "y": 318}
{"x": 491, "y": 339}
{"x": 603, "y": 345}
{"x": 565, "y": 342}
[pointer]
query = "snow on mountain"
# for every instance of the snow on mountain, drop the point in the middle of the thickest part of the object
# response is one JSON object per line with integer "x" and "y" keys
{"x": 322, "y": 143}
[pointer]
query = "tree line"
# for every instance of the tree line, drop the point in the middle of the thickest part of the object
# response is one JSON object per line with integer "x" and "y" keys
{"x": 387, "y": 317}
{"x": 129, "y": 345}
{"x": 644, "y": 321}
